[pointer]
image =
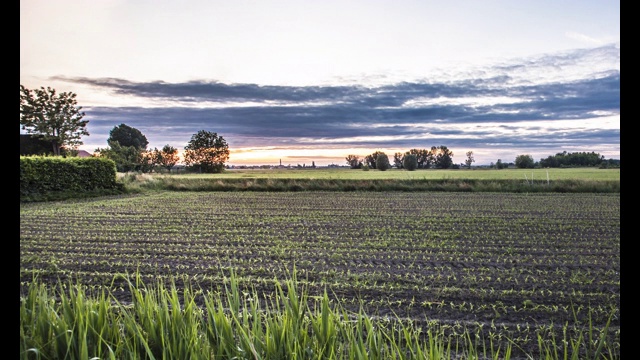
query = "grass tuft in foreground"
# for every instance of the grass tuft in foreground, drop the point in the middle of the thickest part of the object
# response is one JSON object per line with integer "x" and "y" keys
{"x": 165, "y": 323}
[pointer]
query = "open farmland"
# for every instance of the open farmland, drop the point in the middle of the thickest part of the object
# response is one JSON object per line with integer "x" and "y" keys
{"x": 498, "y": 264}
{"x": 552, "y": 174}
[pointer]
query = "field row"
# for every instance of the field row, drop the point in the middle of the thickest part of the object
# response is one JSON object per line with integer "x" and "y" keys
{"x": 519, "y": 262}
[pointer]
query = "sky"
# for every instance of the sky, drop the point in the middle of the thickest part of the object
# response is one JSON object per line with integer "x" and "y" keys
{"x": 314, "y": 81}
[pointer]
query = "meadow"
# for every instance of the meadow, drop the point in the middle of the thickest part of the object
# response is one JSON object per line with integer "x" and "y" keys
{"x": 578, "y": 180}
{"x": 492, "y": 274}
{"x": 593, "y": 174}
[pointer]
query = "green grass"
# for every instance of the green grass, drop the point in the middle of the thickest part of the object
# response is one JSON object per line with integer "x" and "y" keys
{"x": 592, "y": 174}
{"x": 165, "y": 323}
{"x": 589, "y": 180}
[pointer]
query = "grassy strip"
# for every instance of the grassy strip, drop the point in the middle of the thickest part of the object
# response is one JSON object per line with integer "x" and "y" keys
{"x": 138, "y": 182}
{"x": 164, "y": 322}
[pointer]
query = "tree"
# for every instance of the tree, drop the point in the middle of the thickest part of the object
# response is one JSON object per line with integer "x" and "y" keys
{"x": 409, "y": 162}
{"x": 354, "y": 161}
{"x": 423, "y": 156}
{"x": 470, "y": 159}
{"x": 127, "y": 158}
{"x": 128, "y": 149}
{"x": 206, "y": 152}
{"x": 148, "y": 162}
{"x": 443, "y": 157}
{"x": 397, "y": 160}
{"x": 128, "y": 136}
{"x": 382, "y": 162}
{"x": 500, "y": 164}
{"x": 370, "y": 159}
{"x": 57, "y": 117}
{"x": 167, "y": 157}
{"x": 524, "y": 162}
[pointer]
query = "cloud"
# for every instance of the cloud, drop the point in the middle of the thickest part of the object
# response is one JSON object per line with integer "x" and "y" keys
{"x": 584, "y": 38}
{"x": 459, "y": 111}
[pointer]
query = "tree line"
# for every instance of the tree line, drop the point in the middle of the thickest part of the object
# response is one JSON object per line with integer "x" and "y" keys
{"x": 206, "y": 152}
{"x": 438, "y": 157}
{"x": 55, "y": 120}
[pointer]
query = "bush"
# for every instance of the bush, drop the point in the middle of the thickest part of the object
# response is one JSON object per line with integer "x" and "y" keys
{"x": 410, "y": 162}
{"x": 42, "y": 177}
{"x": 382, "y": 162}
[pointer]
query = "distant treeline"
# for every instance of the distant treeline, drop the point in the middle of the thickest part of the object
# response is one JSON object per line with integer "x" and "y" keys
{"x": 565, "y": 159}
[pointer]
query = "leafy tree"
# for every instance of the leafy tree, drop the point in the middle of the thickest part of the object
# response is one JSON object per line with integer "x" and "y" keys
{"x": 572, "y": 159}
{"x": 423, "y": 156}
{"x": 354, "y": 161}
{"x": 57, "y": 117}
{"x": 370, "y": 159}
{"x": 470, "y": 159}
{"x": 397, "y": 160}
{"x": 167, "y": 157}
{"x": 148, "y": 162}
{"x": 443, "y": 157}
{"x": 206, "y": 152}
{"x": 409, "y": 162}
{"x": 524, "y": 162}
{"x": 127, "y": 158}
{"x": 382, "y": 162}
{"x": 500, "y": 164}
{"x": 128, "y": 136}
{"x": 128, "y": 149}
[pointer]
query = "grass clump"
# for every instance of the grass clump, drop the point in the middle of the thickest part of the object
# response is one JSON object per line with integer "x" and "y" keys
{"x": 171, "y": 322}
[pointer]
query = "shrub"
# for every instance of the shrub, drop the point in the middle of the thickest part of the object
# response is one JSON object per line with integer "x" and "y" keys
{"x": 410, "y": 162}
{"x": 382, "y": 162}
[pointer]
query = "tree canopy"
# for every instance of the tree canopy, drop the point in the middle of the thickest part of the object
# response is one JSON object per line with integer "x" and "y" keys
{"x": 354, "y": 161}
{"x": 572, "y": 159}
{"x": 525, "y": 162}
{"x": 409, "y": 162}
{"x": 167, "y": 157}
{"x": 55, "y": 116}
{"x": 126, "y": 136}
{"x": 206, "y": 152}
{"x": 382, "y": 162}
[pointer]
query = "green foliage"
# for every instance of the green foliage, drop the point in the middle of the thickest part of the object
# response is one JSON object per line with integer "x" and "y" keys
{"x": 166, "y": 322}
{"x": 470, "y": 160}
{"x": 127, "y": 148}
{"x": 44, "y": 177}
{"x": 382, "y": 162}
{"x": 206, "y": 152}
{"x": 565, "y": 159}
{"x": 443, "y": 157}
{"x": 424, "y": 157}
{"x": 127, "y": 136}
{"x": 56, "y": 117}
{"x": 190, "y": 183}
{"x": 126, "y": 158}
{"x": 370, "y": 159}
{"x": 514, "y": 246}
{"x": 410, "y": 162}
{"x": 525, "y": 162}
{"x": 397, "y": 160}
{"x": 354, "y": 161}
{"x": 167, "y": 157}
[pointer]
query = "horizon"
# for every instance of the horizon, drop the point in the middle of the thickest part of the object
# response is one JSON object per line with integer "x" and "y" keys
{"x": 305, "y": 81}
